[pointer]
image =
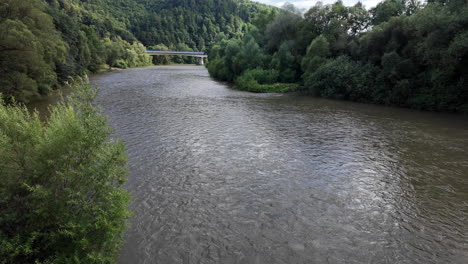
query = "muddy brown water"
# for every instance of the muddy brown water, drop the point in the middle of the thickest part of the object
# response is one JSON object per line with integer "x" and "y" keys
{"x": 223, "y": 176}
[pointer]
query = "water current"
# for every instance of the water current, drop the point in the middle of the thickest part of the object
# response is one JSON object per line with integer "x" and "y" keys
{"x": 224, "y": 176}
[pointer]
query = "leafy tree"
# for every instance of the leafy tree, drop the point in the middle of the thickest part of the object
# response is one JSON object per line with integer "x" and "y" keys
{"x": 317, "y": 53}
{"x": 285, "y": 62}
{"x": 30, "y": 48}
{"x": 386, "y": 10}
{"x": 250, "y": 55}
{"x": 282, "y": 29}
{"x": 62, "y": 200}
{"x": 113, "y": 51}
{"x": 232, "y": 64}
{"x": 342, "y": 78}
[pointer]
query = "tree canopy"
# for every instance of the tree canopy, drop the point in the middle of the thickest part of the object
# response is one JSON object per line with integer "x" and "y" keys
{"x": 401, "y": 52}
{"x": 62, "y": 200}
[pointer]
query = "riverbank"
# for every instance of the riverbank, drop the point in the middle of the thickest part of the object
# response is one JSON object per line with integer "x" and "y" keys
{"x": 249, "y": 84}
{"x": 335, "y": 58}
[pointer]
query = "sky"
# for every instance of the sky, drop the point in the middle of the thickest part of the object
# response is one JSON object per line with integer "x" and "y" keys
{"x": 309, "y": 3}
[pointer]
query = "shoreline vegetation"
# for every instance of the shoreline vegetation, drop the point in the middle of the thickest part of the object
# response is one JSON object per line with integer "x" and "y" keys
{"x": 401, "y": 53}
{"x": 61, "y": 188}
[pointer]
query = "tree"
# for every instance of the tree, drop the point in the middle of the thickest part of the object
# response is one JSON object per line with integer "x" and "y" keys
{"x": 113, "y": 51}
{"x": 282, "y": 29}
{"x": 285, "y": 62}
{"x": 30, "y": 49}
{"x": 250, "y": 55}
{"x": 231, "y": 61}
{"x": 316, "y": 55}
{"x": 387, "y": 9}
{"x": 62, "y": 200}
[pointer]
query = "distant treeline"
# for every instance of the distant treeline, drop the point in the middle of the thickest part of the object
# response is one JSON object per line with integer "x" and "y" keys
{"x": 45, "y": 43}
{"x": 401, "y": 52}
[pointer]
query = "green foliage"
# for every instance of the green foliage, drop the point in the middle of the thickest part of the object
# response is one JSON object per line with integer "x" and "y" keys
{"x": 30, "y": 49}
{"x": 386, "y": 10}
{"x": 46, "y": 43}
{"x": 285, "y": 62}
{"x": 229, "y": 59}
{"x": 343, "y": 78}
{"x": 263, "y": 81}
{"x": 264, "y": 18}
{"x": 317, "y": 53}
{"x": 62, "y": 200}
{"x": 399, "y": 53}
{"x": 336, "y": 22}
{"x": 419, "y": 65}
{"x": 195, "y": 23}
{"x": 121, "y": 54}
{"x": 282, "y": 29}
{"x": 261, "y": 76}
{"x": 217, "y": 69}
{"x": 250, "y": 54}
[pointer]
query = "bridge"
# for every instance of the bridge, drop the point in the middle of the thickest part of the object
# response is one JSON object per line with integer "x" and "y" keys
{"x": 197, "y": 54}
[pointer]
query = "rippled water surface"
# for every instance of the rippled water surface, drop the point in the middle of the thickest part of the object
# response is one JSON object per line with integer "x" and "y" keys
{"x": 223, "y": 176}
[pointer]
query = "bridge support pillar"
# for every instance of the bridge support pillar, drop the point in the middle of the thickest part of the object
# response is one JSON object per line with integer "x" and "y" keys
{"x": 200, "y": 61}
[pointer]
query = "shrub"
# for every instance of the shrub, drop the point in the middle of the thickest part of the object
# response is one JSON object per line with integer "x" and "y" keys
{"x": 262, "y": 76}
{"x": 217, "y": 69}
{"x": 62, "y": 200}
{"x": 263, "y": 81}
{"x": 122, "y": 64}
{"x": 343, "y": 78}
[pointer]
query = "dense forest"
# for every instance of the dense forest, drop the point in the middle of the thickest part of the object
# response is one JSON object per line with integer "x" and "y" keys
{"x": 46, "y": 43}
{"x": 401, "y": 52}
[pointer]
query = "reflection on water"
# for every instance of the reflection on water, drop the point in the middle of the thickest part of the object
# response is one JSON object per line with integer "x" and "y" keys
{"x": 42, "y": 105}
{"x": 222, "y": 176}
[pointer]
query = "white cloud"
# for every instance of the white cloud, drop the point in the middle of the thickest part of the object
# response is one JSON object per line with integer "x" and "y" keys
{"x": 309, "y": 3}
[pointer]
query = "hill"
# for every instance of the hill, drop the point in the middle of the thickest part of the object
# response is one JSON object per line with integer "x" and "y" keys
{"x": 67, "y": 38}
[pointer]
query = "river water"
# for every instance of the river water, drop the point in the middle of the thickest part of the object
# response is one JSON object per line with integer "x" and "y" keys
{"x": 223, "y": 176}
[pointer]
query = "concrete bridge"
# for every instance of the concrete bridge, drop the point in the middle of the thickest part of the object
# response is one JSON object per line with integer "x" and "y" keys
{"x": 197, "y": 54}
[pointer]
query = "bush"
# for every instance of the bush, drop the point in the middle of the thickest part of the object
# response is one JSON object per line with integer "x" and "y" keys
{"x": 262, "y": 76}
{"x": 217, "y": 70}
{"x": 343, "y": 78}
{"x": 122, "y": 64}
{"x": 62, "y": 200}
{"x": 263, "y": 81}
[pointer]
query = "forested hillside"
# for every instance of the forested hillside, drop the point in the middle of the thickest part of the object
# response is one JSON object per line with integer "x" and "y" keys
{"x": 45, "y": 43}
{"x": 195, "y": 23}
{"x": 401, "y": 52}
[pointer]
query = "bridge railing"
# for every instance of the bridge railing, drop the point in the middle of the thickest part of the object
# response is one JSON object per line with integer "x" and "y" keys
{"x": 173, "y": 52}
{"x": 198, "y": 54}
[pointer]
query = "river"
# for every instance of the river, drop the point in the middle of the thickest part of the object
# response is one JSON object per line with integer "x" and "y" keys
{"x": 224, "y": 176}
